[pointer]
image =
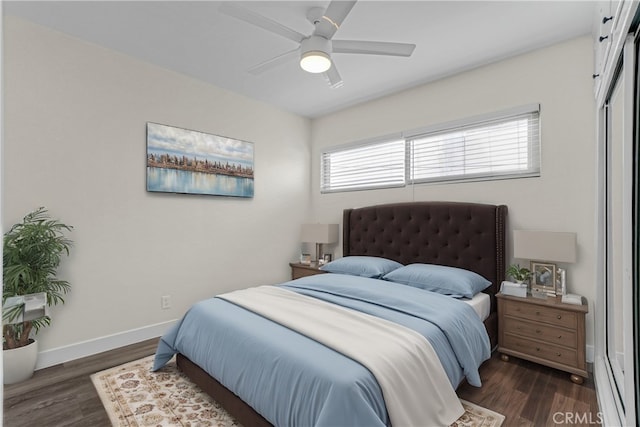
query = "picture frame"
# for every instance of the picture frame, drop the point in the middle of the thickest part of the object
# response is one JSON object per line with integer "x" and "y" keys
{"x": 186, "y": 161}
{"x": 543, "y": 278}
{"x": 326, "y": 258}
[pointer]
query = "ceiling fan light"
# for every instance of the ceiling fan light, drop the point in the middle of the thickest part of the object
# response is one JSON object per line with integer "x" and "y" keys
{"x": 315, "y": 61}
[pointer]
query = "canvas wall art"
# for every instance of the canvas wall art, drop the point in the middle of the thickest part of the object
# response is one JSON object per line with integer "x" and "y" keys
{"x": 191, "y": 162}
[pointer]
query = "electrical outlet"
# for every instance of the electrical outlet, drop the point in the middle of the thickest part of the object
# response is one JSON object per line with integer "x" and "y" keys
{"x": 165, "y": 302}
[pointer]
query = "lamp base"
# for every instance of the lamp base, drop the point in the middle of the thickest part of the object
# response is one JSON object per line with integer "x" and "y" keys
{"x": 318, "y": 252}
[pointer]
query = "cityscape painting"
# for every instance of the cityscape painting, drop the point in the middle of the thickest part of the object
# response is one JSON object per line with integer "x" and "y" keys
{"x": 191, "y": 162}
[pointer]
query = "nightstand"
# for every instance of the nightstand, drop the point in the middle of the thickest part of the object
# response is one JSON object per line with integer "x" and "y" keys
{"x": 544, "y": 331}
{"x": 302, "y": 270}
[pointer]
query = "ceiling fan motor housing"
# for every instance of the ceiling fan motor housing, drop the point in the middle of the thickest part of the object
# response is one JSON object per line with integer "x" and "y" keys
{"x": 315, "y": 44}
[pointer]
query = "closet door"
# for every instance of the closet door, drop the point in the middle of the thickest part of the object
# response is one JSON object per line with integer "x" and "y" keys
{"x": 635, "y": 218}
{"x": 615, "y": 223}
{"x": 619, "y": 122}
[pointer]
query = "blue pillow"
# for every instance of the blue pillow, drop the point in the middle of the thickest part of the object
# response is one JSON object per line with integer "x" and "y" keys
{"x": 452, "y": 281}
{"x": 364, "y": 266}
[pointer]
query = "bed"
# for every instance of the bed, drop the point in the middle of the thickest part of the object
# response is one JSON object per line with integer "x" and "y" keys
{"x": 463, "y": 235}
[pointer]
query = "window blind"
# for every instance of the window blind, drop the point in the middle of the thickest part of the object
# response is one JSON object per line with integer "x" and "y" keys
{"x": 365, "y": 166}
{"x": 495, "y": 146}
{"x": 492, "y": 149}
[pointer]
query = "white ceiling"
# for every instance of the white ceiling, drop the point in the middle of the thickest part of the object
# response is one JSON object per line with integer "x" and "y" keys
{"x": 195, "y": 39}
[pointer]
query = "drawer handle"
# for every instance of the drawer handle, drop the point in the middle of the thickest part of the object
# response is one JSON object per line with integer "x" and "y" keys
{"x": 559, "y": 316}
{"x": 537, "y": 348}
{"x": 558, "y": 354}
{"x": 538, "y": 331}
{"x": 537, "y": 313}
{"x": 559, "y": 337}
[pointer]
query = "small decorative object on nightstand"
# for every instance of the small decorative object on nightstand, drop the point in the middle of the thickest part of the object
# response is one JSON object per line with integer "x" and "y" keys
{"x": 520, "y": 275}
{"x": 299, "y": 270}
{"x": 544, "y": 331}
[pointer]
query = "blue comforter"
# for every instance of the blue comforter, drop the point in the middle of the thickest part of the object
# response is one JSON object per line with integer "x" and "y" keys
{"x": 292, "y": 380}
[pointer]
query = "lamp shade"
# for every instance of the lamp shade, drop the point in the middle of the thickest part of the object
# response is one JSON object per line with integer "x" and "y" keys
{"x": 319, "y": 233}
{"x": 544, "y": 245}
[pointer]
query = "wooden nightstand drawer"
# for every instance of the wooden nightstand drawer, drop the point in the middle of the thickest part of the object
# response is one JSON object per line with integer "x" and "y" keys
{"x": 545, "y": 351}
{"x": 541, "y": 314}
{"x": 303, "y": 270}
{"x": 550, "y": 334}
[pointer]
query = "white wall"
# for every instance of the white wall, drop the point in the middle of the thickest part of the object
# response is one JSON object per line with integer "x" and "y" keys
{"x": 563, "y": 198}
{"x": 75, "y": 142}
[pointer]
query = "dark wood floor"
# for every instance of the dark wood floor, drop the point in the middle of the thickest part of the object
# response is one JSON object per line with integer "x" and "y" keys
{"x": 63, "y": 395}
{"x": 526, "y": 393}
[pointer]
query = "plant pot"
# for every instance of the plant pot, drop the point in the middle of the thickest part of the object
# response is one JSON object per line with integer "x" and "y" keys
{"x": 19, "y": 363}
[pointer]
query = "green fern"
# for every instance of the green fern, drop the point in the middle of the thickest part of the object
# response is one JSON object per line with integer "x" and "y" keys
{"x": 32, "y": 251}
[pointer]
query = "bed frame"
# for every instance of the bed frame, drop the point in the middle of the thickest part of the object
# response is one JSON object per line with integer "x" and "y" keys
{"x": 464, "y": 235}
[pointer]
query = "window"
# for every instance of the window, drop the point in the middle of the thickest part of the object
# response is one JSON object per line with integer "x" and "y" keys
{"x": 364, "y": 166}
{"x": 504, "y": 145}
{"x": 497, "y": 148}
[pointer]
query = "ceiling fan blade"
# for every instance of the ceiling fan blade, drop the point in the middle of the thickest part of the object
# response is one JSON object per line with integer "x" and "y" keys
{"x": 333, "y": 17}
{"x": 246, "y": 15}
{"x": 333, "y": 77}
{"x": 274, "y": 62}
{"x": 373, "y": 48}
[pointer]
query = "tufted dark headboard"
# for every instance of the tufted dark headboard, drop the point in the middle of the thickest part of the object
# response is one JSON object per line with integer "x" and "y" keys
{"x": 464, "y": 235}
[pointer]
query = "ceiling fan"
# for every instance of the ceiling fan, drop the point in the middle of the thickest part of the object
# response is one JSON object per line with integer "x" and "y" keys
{"x": 315, "y": 50}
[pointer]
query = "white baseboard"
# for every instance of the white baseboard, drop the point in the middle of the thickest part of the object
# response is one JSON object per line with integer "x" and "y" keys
{"x": 82, "y": 349}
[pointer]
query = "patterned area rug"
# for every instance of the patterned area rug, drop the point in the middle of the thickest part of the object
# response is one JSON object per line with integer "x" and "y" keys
{"x": 133, "y": 396}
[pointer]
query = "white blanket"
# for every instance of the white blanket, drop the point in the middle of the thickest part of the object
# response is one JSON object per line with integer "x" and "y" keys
{"x": 414, "y": 384}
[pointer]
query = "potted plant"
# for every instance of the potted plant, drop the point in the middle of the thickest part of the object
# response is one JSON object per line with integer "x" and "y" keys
{"x": 519, "y": 274}
{"x": 32, "y": 251}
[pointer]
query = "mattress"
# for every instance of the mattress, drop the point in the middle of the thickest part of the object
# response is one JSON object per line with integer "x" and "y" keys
{"x": 481, "y": 304}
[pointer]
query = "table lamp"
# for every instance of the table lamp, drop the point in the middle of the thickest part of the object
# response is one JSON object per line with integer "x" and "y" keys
{"x": 319, "y": 234}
